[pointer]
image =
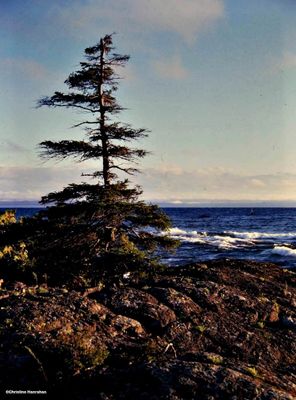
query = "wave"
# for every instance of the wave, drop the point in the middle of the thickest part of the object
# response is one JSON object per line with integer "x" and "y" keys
{"x": 233, "y": 239}
{"x": 219, "y": 240}
{"x": 284, "y": 251}
{"x": 259, "y": 235}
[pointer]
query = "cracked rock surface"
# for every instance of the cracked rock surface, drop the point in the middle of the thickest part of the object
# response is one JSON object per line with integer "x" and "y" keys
{"x": 223, "y": 329}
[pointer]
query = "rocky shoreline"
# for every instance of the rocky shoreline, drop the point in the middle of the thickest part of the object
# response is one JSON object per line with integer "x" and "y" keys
{"x": 217, "y": 330}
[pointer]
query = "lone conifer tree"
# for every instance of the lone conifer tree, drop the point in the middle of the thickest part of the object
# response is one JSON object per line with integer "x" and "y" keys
{"x": 104, "y": 217}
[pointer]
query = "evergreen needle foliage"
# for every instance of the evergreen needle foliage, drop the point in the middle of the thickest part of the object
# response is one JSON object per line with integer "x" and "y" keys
{"x": 101, "y": 223}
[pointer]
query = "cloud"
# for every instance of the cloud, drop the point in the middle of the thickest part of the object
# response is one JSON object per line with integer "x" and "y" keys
{"x": 257, "y": 183}
{"x": 128, "y": 73}
{"x": 286, "y": 62}
{"x": 23, "y": 68}
{"x": 185, "y": 17}
{"x": 170, "y": 69}
{"x": 167, "y": 183}
{"x": 30, "y": 183}
{"x": 215, "y": 183}
{"x": 11, "y": 146}
{"x": 289, "y": 60}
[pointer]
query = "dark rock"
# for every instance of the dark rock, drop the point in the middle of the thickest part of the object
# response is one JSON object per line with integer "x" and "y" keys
{"x": 182, "y": 304}
{"x": 140, "y": 305}
{"x": 221, "y": 330}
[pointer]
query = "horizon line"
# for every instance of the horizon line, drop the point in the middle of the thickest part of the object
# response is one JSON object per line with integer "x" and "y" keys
{"x": 176, "y": 203}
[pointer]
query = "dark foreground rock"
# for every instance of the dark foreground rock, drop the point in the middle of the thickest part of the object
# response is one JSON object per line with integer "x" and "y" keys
{"x": 220, "y": 330}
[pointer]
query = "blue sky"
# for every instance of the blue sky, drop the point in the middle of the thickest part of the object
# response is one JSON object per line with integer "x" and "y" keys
{"x": 213, "y": 80}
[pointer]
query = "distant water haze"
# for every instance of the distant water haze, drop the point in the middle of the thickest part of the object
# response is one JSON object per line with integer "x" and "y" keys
{"x": 175, "y": 204}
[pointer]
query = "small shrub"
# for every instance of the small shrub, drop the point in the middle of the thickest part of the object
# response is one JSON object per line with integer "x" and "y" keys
{"x": 200, "y": 328}
{"x": 263, "y": 299}
{"x": 7, "y": 218}
{"x": 18, "y": 253}
{"x": 253, "y": 372}
{"x": 14, "y": 262}
{"x": 215, "y": 358}
{"x": 260, "y": 324}
{"x": 276, "y": 306}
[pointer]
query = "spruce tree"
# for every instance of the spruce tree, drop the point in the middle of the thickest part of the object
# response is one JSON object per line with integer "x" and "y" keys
{"x": 101, "y": 219}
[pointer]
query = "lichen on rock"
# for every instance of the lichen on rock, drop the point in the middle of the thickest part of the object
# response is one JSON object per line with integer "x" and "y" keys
{"x": 221, "y": 330}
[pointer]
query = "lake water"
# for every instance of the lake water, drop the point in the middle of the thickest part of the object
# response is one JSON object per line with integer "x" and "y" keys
{"x": 262, "y": 234}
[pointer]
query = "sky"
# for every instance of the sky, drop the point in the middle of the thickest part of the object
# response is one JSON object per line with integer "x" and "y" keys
{"x": 214, "y": 81}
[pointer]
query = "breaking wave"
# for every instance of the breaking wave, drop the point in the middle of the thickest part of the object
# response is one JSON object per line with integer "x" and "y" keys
{"x": 262, "y": 235}
{"x": 284, "y": 251}
{"x": 234, "y": 239}
{"x": 221, "y": 240}
{"x": 265, "y": 234}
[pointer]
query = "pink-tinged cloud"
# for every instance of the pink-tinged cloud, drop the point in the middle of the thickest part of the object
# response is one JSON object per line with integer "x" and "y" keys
{"x": 30, "y": 183}
{"x": 165, "y": 183}
{"x": 23, "y": 68}
{"x": 168, "y": 183}
{"x": 185, "y": 17}
{"x": 289, "y": 60}
{"x": 171, "y": 68}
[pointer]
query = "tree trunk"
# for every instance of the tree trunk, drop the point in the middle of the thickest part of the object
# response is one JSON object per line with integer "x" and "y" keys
{"x": 104, "y": 139}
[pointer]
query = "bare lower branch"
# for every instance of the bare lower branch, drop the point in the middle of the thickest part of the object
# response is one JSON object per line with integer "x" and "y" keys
{"x": 128, "y": 170}
{"x": 84, "y": 123}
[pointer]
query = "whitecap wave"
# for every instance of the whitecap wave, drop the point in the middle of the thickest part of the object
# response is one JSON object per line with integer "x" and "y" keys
{"x": 262, "y": 235}
{"x": 176, "y": 231}
{"x": 284, "y": 251}
{"x": 235, "y": 239}
{"x": 222, "y": 241}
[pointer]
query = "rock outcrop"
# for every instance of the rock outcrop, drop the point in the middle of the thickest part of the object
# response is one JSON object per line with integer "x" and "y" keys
{"x": 221, "y": 330}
